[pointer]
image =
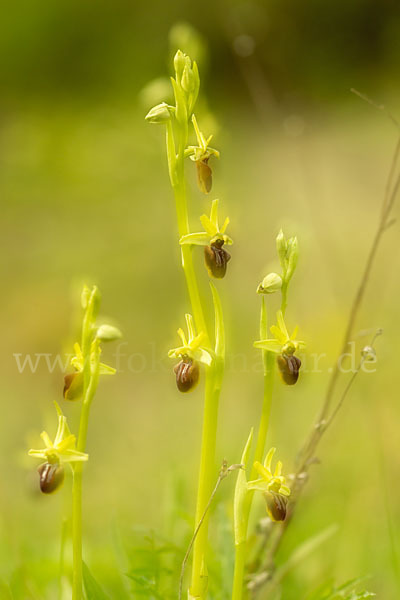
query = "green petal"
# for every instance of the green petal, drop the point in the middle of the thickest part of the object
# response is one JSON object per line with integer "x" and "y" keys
{"x": 270, "y": 345}
{"x": 263, "y": 471}
{"x": 208, "y": 225}
{"x": 257, "y": 486}
{"x": 37, "y": 453}
{"x": 74, "y": 456}
{"x": 196, "y": 239}
{"x": 268, "y": 458}
{"x": 201, "y": 356}
{"x": 284, "y": 490}
{"x": 214, "y": 213}
{"x": 106, "y": 369}
{"x": 281, "y": 324}
{"x": 225, "y": 225}
{"x": 190, "y": 327}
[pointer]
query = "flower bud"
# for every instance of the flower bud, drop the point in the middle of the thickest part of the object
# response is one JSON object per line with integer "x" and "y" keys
{"x": 368, "y": 353}
{"x": 281, "y": 246}
{"x": 187, "y": 374}
{"x": 204, "y": 175}
{"x": 292, "y": 257}
{"x": 276, "y": 505}
{"x": 95, "y": 300}
{"x": 51, "y": 477}
{"x": 188, "y": 82}
{"x": 289, "y": 366}
{"x": 179, "y": 64}
{"x": 216, "y": 258}
{"x": 160, "y": 113}
{"x": 85, "y": 295}
{"x": 270, "y": 284}
{"x": 108, "y": 333}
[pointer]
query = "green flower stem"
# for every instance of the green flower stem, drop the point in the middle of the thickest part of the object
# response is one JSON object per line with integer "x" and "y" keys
{"x": 268, "y": 362}
{"x": 284, "y": 291}
{"x": 64, "y": 537}
{"x": 77, "y": 533}
{"x": 238, "y": 576}
{"x": 206, "y": 477}
{"x": 177, "y": 174}
{"x": 89, "y": 392}
{"x": 213, "y": 373}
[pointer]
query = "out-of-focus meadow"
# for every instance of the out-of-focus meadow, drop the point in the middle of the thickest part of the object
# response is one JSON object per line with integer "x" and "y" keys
{"x": 85, "y": 197}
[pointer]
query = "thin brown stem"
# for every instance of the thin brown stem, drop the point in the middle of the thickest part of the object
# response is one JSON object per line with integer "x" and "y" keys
{"x": 326, "y": 416}
{"x": 313, "y": 440}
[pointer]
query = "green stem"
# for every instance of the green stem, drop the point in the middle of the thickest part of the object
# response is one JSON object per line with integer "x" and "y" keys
{"x": 238, "y": 576}
{"x": 206, "y": 479}
{"x": 64, "y": 535}
{"x": 213, "y": 373}
{"x": 77, "y": 533}
{"x": 183, "y": 227}
{"x": 77, "y": 478}
{"x": 284, "y": 291}
{"x": 269, "y": 363}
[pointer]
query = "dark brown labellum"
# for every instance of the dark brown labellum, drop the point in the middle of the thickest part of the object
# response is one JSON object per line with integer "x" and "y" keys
{"x": 73, "y": 385}
{"x": 204, "y": 175}
{"x": 51, "y": 476}
{"x": 276, "y": 505}
{"x": 289, "y": 367}
{"x": 187, "y": 374}
{"x": 216, "y": 258}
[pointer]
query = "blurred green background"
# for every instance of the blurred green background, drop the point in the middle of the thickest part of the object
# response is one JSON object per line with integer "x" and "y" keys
{"x": 85, "y": 197}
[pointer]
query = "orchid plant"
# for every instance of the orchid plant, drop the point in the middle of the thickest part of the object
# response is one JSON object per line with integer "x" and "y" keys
{"x": 67, "y": 448}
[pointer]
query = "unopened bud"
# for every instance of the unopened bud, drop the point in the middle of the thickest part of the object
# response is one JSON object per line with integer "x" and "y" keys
{"x": 188, "y": 81}
{"x": 281, "y": 246}
{"x": 276, "y": 505}
{"x": 270, "y": 284}
{"x": 204, "y": 175}
{"x": 187, "y": 374}
{"x": 108, "y": 333}
{"x": 160, "y": 113}
{"x": 216, "y": 259}
{"x": 179, "y": 64}
{"x": 73, "y": 386}
{"x": 85, "y": 295}
{"x": 51, "y": 477}
{"x": 368, "y": 353}
{"x": 292, "y": 254}
{"x": 95, "y": 300}
{"x": 289, "y": 367}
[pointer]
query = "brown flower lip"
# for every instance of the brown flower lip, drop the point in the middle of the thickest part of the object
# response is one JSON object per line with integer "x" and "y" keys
{"x": 204, "y": 175}
{"x": 289, "y": 367}
{"x": 216, "y": 258}
{"x": 187, "y": 374}
{"x": 276, "y": 505}
{"x": 51, "y": 477}
{"x": 73, "y": 385}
